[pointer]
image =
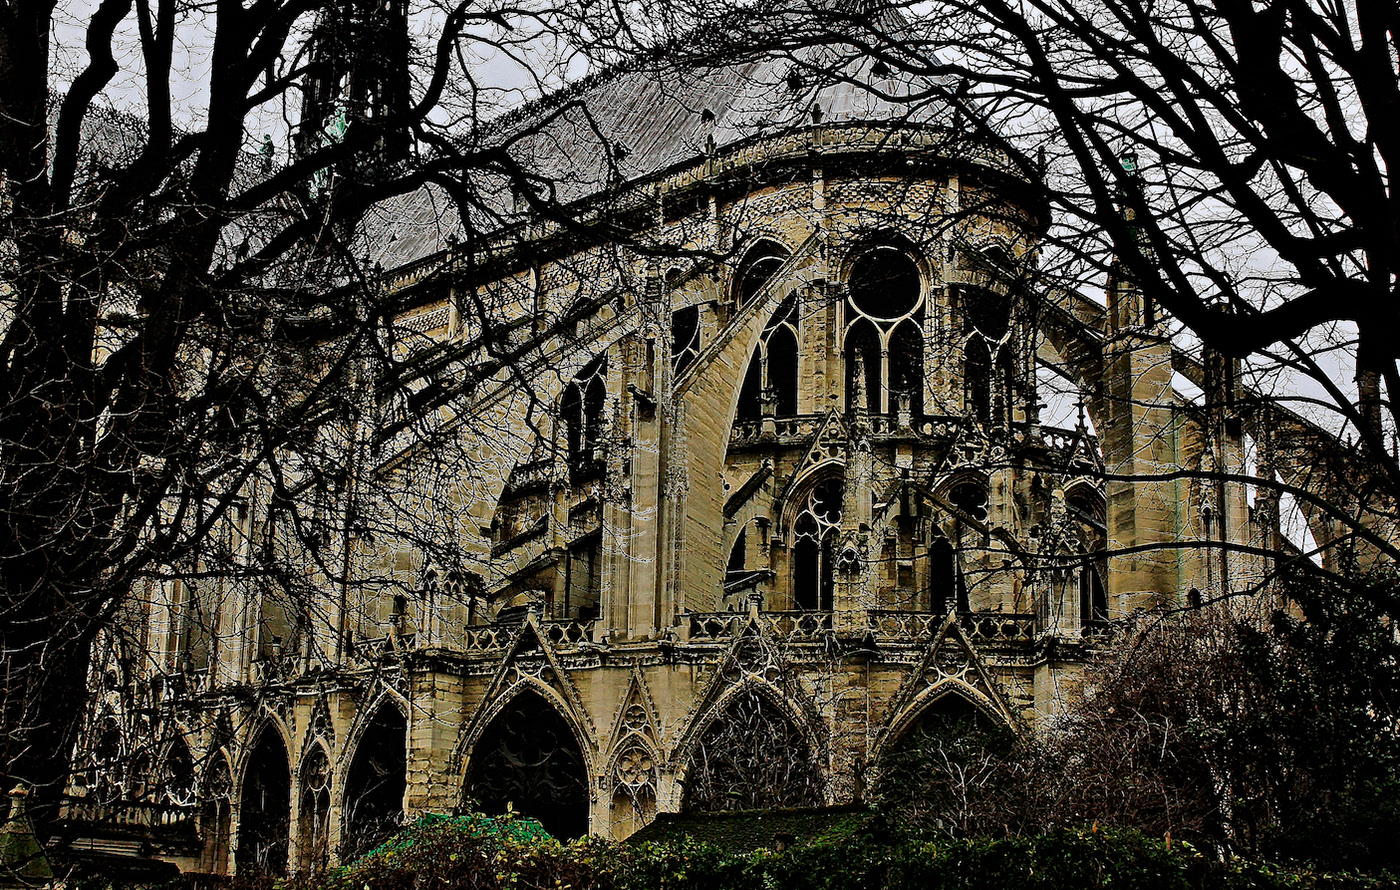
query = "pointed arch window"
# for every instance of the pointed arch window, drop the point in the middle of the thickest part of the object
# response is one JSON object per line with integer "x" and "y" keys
{"x": 988, "y": 365}
{"x": 265, "y": 808}
{"x": 969, "y": 497}
{"x": 582, "y": 410}
{"x": 375, "y": 784}
{"x": 216, "y": 816}
{"x": 883, "y": 343}
{"x": 944, "y": 576}
{"x": 863, "y": 362}
{"x": 529, "y": 761}
{"x": 685, "y": 338}
{"x": 815, "y": 533}
{"x": 177, "y": 781}
{"x": 1087, "y": 508}
{"x": 760, "y": 264}
{"x": 314, "y": 848}
{"x": 772, "y": 371}
{"x": 752, "y": 756}
{"x": 737, "y": 556}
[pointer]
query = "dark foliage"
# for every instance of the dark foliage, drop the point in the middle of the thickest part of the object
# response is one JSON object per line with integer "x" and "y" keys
{"x": 475, "y": 852}
{"x": 1269, "y": 736}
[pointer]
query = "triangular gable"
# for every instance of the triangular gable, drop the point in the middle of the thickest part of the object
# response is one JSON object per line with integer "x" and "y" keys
{"x": 636, "y": 713}
{"x": 530, "y": 654}
{"x": 949, "y": 658}
{"x": 751, "y": 657}
{"x": 828, "y": 447}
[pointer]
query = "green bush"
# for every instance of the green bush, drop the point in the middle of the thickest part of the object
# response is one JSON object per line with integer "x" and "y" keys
{"x": 480, "y": 853}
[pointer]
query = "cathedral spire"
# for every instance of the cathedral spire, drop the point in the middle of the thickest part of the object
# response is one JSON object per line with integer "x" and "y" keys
{"x": 357, "y": 76}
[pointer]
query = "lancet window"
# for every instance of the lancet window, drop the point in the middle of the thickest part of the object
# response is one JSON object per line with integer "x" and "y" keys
{"x": 685, "y": 338}
{"x": 883, "y": 345}
{"x": 948, "y": 588}
{"x": 988, "y": 363}
{"x": 1086, "y": 507}
{"x": 582, "y": 410}
{"x": 815, "y": 535}
{"x": 772, "y": 372}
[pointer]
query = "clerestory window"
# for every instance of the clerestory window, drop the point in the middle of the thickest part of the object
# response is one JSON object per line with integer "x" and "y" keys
{"x": 760, "y": 264}
{"x": 988, "y": 367}
{"x": 773, "y": 367}
{"x": 685, "y": 338}
{"x": 883, "y": 343}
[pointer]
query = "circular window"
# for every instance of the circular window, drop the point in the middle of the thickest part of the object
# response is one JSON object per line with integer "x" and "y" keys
{"x": 885, "y": 283}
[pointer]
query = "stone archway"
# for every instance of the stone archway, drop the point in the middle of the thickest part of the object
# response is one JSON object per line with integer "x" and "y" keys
{"x": 375, "y": 784}
{"x": 529, "y": 759}
{"x": 936, "y": 770}
{"x": 752, "y": 756}
{"x": 265, "y": 807}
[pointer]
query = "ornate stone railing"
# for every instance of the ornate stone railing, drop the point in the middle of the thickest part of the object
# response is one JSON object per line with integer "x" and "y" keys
{"x": 792, "y": 430}
{"x": 795, "y": 626}
{"x": 715, "y": 625}
{"x": 566, "y": 633}
{"x": 887, "y": 624}
{"x": 784, "y": 626}
{"x": 1056, "y": 439}
{"x": 488, "y": 637}
{"x": 536, "y": 474}
{"x": 125, "y": 814}
{"x": 986, "y": 627}
{"x": 799, "y": 429}
{"x": 180, "y": 685}
{"x": 891, "y": 624}
{"x": 792, "y": 627}
{"x": 998, "y": 627}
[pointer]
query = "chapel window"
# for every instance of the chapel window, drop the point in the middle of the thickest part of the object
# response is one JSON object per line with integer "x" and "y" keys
{"x": 883, "y": 344}
{"x": 988, "y": 368}
{"x": 582, "y": 410}
{"x": 815, "y": 534}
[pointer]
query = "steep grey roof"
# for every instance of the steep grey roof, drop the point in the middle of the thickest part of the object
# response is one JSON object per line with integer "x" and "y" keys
{"x": 641, "y": 120}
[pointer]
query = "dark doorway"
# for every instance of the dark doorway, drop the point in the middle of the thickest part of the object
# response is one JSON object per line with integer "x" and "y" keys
{"x": 375, "y": 785}
{"x": 529, "y": 760}
{"x": 265, "y": 808}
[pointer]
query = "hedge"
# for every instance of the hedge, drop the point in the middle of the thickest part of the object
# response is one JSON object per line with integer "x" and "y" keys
{"x": 480, "y": 853}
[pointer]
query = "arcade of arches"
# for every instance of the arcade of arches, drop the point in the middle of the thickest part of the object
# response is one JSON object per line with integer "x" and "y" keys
{"x": 750, "y": 754}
